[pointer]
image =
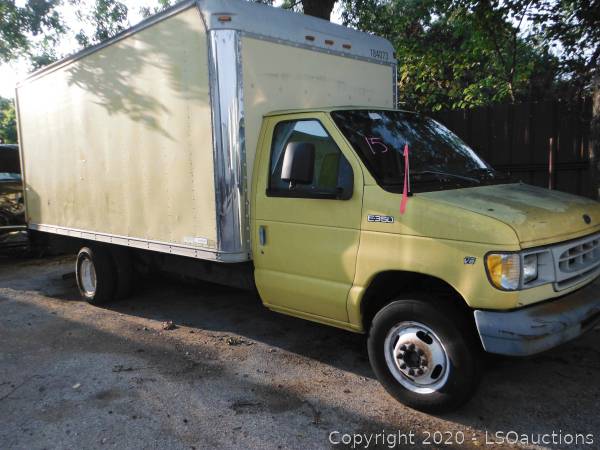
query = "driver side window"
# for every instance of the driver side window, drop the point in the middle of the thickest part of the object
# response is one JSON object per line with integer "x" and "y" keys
{"x": 332, "y": 172}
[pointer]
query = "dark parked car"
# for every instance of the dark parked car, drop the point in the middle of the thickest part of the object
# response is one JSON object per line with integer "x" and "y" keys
{"x": 12, "y": 209}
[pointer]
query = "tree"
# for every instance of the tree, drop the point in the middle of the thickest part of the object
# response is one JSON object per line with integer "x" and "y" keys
{"x": 21, "y": 25}
{"x": 572, "y": 29}
{"x": 317, "y": 8}
{"x": 595, "y": 137}
{"x": 8, "y": 122}
{"x": 456, "y": 53}
{"x": 107, "y": 18}
{"x": 572, "y": 26}
{"x": 147, "y": 11}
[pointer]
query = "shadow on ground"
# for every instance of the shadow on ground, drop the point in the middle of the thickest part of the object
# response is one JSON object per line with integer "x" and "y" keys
{"x": 555, "y": 391}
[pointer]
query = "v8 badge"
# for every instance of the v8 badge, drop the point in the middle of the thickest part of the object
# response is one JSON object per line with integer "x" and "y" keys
{"x": 470, "y": 260}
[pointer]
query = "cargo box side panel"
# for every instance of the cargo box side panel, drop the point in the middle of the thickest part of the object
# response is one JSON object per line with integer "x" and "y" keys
{"x": 277, "y": 76}
{"x": 119, "y": 142}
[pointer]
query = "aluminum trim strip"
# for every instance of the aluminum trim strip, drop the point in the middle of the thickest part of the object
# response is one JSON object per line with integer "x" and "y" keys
{"x": 21, "y": 155}
{"x": 263, "y": 37}
{"x": 162, "y": 247}
{"x": 245, "y": 201}
{"x": 228, "y": 142}
{"x": 395, "y": 86}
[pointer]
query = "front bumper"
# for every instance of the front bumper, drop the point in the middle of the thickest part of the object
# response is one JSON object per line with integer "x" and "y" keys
{"x": 540, "y": 327}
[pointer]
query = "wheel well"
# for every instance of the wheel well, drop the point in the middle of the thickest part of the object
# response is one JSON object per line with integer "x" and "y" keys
{"x": 386, "y": 286}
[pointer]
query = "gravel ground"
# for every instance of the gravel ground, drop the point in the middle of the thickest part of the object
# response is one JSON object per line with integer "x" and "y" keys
{"x": 235, "y": 375}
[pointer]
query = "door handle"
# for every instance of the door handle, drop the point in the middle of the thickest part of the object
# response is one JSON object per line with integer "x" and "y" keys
{"x": 262, "y": 235}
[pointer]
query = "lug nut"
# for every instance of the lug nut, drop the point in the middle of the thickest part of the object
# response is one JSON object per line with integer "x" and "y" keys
{"x": 419, "y": 372}
{"x": 403, "y": 366}
{"x": 403, "y": 347}
{"x": 420, "y": 352}
{"x": 411, "y": 347}
{"x": 400, "y": 354}
{"x": 411, "y": 372}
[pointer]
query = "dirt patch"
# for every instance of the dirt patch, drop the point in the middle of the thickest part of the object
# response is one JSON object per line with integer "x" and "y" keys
{"x": 232, "y": 374}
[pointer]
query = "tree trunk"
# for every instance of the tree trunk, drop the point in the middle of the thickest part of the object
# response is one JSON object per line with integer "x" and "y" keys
{"x": 318, "y": 8}
{"x": 595, "y": 138}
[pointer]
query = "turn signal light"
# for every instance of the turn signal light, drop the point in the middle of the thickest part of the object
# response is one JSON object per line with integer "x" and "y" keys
{"x": 504, "y": 270}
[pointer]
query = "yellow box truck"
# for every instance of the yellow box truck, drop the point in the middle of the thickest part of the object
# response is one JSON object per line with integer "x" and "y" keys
{"x": 215, "y": 140}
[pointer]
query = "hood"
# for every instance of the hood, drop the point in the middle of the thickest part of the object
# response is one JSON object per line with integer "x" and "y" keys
{"x": 537, "y": 215}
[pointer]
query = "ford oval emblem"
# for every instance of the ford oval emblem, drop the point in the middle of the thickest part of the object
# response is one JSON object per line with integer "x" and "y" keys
{"x": 587, "y": 219}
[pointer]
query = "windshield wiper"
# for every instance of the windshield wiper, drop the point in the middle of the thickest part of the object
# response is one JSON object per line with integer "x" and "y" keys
{"x": 483, "y": 171}
{"x": 445, "y": 175}
{"x": 489, "y": 173}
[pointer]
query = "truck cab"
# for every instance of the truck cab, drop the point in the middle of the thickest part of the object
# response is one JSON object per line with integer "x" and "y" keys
{"x": 476, "y": 262}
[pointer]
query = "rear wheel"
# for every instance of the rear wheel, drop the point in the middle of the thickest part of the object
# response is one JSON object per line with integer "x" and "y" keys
{"x": 96, "y": 275}
{"x": 423, "y": 354}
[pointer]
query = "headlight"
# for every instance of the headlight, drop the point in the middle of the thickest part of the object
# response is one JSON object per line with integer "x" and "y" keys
{"x": 524, "y": 270}
{"x": 504, "y": 270}
{"x": 530, "y": 268}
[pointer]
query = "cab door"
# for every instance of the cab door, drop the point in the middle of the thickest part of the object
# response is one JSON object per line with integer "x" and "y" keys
{"x": 306, "y": 236}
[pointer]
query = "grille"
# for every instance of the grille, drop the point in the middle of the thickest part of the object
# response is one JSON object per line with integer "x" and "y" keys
{"x": 576, "y": 261}
{"x": 580, "y": 256}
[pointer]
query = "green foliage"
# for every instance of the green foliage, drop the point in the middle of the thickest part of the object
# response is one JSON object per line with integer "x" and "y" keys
{"x": 456, "y": 54}
{"x": 20, "y": 25}
{"x": 8, "y": 122}
{"x": 573, "y": 27}
{"x": 147, "y": 11}
{"x": 317, "y": 8}
{"x": 108, "y": 18}
{"x": 451, "y": 53}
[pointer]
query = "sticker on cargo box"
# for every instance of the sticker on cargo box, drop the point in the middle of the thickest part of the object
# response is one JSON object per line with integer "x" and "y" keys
{"x": 380, "y": 54}
{"x": 203, "y": 242}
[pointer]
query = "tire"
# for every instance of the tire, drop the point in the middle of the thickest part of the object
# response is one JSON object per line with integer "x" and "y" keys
{"x": 424, "y": 354}
{"x": 124, "y": 270}
{"x": 96, "y": 275}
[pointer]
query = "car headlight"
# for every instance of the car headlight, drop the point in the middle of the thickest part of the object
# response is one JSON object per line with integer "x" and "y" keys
{"x": 524, "y": 270}
{"x": 504, "y": 270}
{"x": 530, "y": 268}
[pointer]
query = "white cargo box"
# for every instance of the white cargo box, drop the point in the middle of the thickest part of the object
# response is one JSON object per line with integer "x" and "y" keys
{"x": 148, "y": 140}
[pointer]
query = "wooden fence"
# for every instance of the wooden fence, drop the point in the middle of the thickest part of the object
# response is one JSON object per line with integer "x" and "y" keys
{"x": 546, "y": 144}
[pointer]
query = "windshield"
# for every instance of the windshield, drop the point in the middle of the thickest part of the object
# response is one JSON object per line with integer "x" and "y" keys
{"x": 438, "y": 158}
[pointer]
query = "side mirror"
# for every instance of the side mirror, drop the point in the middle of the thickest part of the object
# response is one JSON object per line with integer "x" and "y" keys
{"x": 298, "y": 163}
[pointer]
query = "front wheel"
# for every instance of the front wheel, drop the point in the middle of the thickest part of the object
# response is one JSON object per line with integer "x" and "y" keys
{"x": 424, "y": 355}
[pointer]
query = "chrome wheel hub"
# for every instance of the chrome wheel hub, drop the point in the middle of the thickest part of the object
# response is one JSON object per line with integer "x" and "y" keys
{"x": 416, "y": 357}
{"x": 87, "y": 276}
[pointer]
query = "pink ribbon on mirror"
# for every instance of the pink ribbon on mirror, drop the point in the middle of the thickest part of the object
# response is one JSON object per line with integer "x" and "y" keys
{"x": 406, "y": 175}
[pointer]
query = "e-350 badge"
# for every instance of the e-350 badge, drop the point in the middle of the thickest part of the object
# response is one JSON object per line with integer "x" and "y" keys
{"x": 381, "y": 219}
